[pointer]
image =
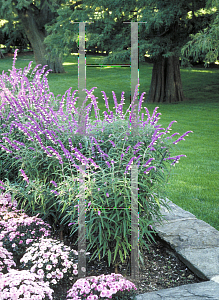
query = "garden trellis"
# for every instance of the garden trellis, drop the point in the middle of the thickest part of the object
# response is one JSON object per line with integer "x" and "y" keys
{"x": 82, "y": 130}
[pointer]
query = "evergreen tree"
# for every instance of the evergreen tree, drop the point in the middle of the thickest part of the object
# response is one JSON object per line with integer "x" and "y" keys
{"x": 104, "y": 34}
{"x": 205, "y": 43}
{"x": 169, "y": 25}
{"x": 12, "y": 35}
{"x": 34, "y": 15}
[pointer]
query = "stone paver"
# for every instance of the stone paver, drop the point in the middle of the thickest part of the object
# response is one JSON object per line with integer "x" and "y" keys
{"x": 186, "y": 233}
{"x": 197, "y": 291}
{"x": 203, "y": 262}
{"x": 197, "y": 245}
{"x": 177, "y": 212}
{"x": 195, "y": 241}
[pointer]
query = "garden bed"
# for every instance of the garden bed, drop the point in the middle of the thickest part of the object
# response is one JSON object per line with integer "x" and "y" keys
{"x": 162, "y": 270}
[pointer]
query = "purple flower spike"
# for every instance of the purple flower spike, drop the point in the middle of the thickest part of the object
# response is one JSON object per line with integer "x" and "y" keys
{"x": 148, "y": 162}
{"x": 154, "y": 112}
{"x": 54, "y": 183}
{"x": 181, "y": 138}
{"x": 112, "y": 143}
{"x": 108, "y": 164}
{"x": 24, "y": 175}
{"x": 6, "y": 149}
{"x": 172, "y": 135}
{"x": 138, "y": 144}
{"x": 55, "y": 192}
{"x": 147, "y": 171}
{"x": 127, "y": 149}
{"x": 168, "y": 128}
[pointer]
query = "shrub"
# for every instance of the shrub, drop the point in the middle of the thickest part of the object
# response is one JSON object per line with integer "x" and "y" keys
{"x": 41, "y": 134}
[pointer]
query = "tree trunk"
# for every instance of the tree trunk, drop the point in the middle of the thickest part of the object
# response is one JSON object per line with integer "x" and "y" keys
{"x": 36, "y": 37}
{"x": 166, "y": 84}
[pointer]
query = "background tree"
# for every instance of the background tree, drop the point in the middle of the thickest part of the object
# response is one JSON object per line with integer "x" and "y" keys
{"x": 169, "y": 25}
{"x": 105, "y": 33}
{"x": 34, "y": 15}
{"x": 12, "y": 35}
{"x": 168, "y": 28}
{"x": 205, "y": 43}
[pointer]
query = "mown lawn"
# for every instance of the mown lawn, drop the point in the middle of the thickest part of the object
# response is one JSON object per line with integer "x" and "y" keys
{"x": 194, "y": 182}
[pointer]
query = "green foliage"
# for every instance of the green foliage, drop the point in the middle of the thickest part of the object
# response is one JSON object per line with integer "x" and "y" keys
{"x": 33, "y": 15}
{"x": 100, "y": 33}
{"x": 206, "y": 41}
{"x": 106, "y": 183}
{"x": 169, "y": 24}
{"x": 10, "y": 7}
{"x": 6, "y": 9}
{"x": 112, "y": 227}
{"x": 185, "y": 185}
{"x": 14, "y": 36}
{"x": 167, "y": 29}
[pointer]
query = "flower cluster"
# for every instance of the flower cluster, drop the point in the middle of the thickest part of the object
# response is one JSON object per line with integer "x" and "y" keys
{"x": 5, "y": 200}
{"x": 6, "y": 260}
{"x": 103, "y": 286}
{"x": 51, "y": 260}
{"x": 48, "y": 263}
{"x": 7, "y": 214}
{"x": 25, "y": 284}
{"x": 18, "y": 231}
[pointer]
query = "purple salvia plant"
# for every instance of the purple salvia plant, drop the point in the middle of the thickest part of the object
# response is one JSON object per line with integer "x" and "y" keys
{"x": 36, "y": 102}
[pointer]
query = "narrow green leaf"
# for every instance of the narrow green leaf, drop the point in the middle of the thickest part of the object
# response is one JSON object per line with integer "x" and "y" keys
{"x": 116, "y": 250}
{"x": 116, "y": 232}
{"x": 125, "y": 249}
{"x": 124, "y": 227}
{"x": 109, "y": 257}
{"x": 100, "y": 234}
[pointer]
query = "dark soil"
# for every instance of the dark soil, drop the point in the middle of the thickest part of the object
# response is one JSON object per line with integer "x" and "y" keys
{"x": 162, "y": 269}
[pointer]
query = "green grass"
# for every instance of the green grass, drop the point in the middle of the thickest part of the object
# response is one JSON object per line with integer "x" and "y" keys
{"x": 194, "y": 181}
